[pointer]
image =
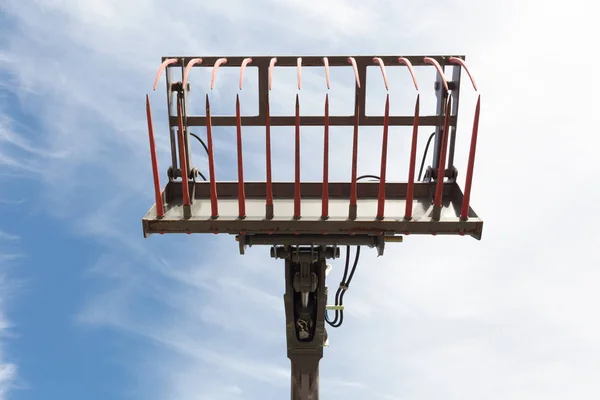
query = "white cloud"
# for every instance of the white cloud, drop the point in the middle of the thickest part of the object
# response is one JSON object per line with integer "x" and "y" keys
{"x": 511, "y": 316}
{"x": 8, "y": 369}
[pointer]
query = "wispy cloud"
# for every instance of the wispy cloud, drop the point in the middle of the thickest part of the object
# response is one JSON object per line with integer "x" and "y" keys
{"x": 8, "y": 369}
{"x": 508, "y": 317}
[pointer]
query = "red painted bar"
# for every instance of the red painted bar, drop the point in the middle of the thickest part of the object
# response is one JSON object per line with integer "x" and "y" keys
{"x": 384, "y": 146}
{"x": 464, "y": 213}
{"x": 182, "y": 158}
{"x": 442, "y": 162}
{"x": 241, "y": 192}
{"x": 354, "y": 159}
{"x": 269, "y": 197}
{"x": 325, "y": 197}
{"x": 160, "y": 208}
{"x": 410, "y": 190}
{"x": 297, "y": 162}
{"x": 214, "y": 204}
{"x": 439, "y": 69}
{"x": 162, "y": 67}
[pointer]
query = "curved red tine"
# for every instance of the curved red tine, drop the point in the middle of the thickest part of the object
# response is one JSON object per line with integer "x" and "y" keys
{"x": 242, "y": 69}
{"x": 326, "y": 64}
{"x": 352, "y": 61}
{"x": 160, "y": 209}
{"x": 188, "y": 68}
{"x": 461, "y": 62}
{"x": 407, "y": 62}
{"x": 299, "y": 63}
{"x": 218, "y": 63}
{"x": 297, "y": 163}
{"x": 379, "y": 61}
{"x": 214, "y": 204}
{"x": 269, "y": 194}
{"x": 410, "y": 190}
{"x": 325, "y": 194}
{"x": 161, "y": 69}
{"x": 384, "y": 146}
{"x": 352, "y": 209}
{"x": 442, "y": 162}
{"x": 464, "y": 214}
{"x": 439, "y": 69}
{"x": 241, "y": 191}
{"x": 182, "y": 159}
{"x": 271, "y": 66}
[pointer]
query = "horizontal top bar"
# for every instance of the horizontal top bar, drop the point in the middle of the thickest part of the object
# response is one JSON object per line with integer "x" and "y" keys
{"x": 307, "y": 120}
{"x": 309, "y": 61}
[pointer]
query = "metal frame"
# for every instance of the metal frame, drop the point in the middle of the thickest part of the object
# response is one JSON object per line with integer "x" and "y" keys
{"x": 314, "y": 229}
{"x": 307, "y": 222}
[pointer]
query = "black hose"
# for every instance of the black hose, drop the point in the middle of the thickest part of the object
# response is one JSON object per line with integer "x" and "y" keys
{"x": 344, "y": 285}
{"x": 205, "y": 148}
{"x": 425, "y": 155}
{"x": 201, "y": 141}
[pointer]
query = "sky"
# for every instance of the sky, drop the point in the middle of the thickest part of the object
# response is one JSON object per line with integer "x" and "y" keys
{"x": 90, "y": 309}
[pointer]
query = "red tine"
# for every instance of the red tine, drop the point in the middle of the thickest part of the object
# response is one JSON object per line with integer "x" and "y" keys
{"x": 461, "y": 62}
{"x": 271, "y": 66}
{"x": 326, "y": 64}
{"x": 442, "y": 162}
{"x": 214, "y": 204}
{"x": 464, "y": 214}
{"x": 188, "y": 68}
{"x": 269, "y": 199}
{"x": 299, "y": 72}
{"x": 160, "y": 209}
{"x": 241, "y": 192}
{"x": 297, "y": 163}
{"x": 413, "y": 159}
{"x": 218, "y": 63}
{"x": 383, "y": 72}
{"x": 325, "y": 196}
{"x": 352, "y": 61}
{"x": 353, "y": 184}
{"x": 161, "y": 69}
{"x": 245, "y": 62}
{"x": 182, "y": 159}
{"x": 384, "y": 146}
{"x": 439, "y": 69}
{"x": 407, "y": 62}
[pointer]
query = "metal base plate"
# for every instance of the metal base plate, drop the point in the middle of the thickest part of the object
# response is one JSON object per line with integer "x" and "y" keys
{"x": 311, "y": 222}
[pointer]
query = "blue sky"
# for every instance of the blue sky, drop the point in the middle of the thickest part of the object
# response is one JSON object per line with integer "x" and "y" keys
{"x": 90, "y": 309}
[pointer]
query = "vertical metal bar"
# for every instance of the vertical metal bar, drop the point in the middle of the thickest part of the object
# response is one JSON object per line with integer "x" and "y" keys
{"x": 160, "y": 209}
{"x": 170, "y": 111}
{"x": 186, "y": 130}
{"x": 384, "y": 146}
{"x": 464, "y": 214}
{"x": 353, "y": 185}
{"x": 413, "y": 159}
{"x": 325, "y": 194}
{"x": 441, "y": 96}
{"x": 214, "y": 204}
{"x": 297, "y": 163}
{"x": 269, "y": 199}
{"x": 241, "y": 192}
{"x": 455, "y": 93}
{"x": 441, "y": 166}
{"x": 185, "y": 188}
